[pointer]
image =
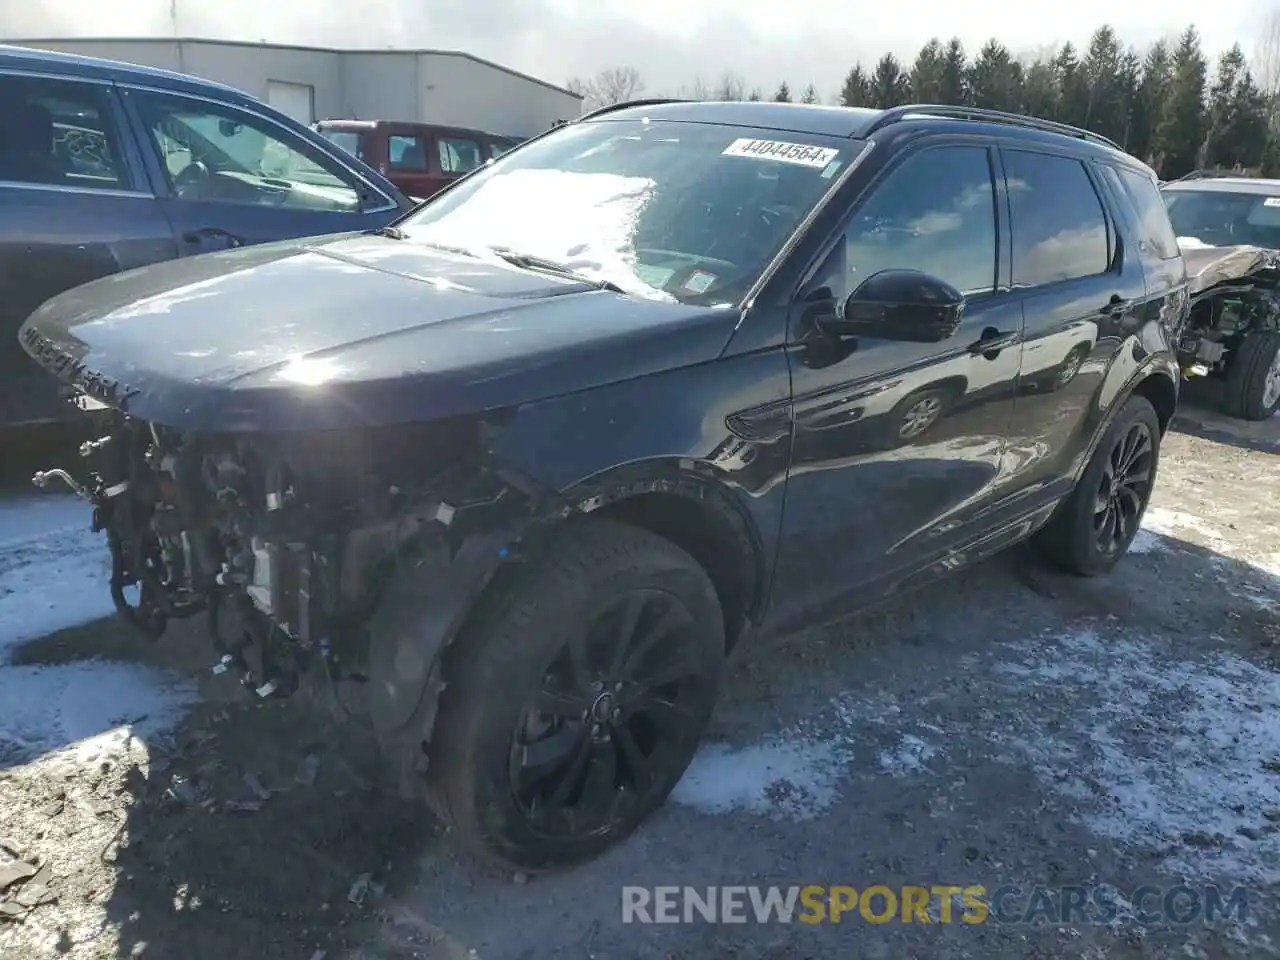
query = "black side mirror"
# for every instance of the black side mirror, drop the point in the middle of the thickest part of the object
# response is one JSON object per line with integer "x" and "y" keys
{"x": 899, "y": 305}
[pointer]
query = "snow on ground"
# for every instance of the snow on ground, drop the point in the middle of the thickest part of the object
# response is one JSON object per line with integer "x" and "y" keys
{"x": 1194, "y": 779}
{"x": 53, "y": 575}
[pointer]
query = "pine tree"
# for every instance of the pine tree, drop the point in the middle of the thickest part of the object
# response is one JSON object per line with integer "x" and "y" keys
{"x": 1073, "y": 96}
{"x": 1040, "y": 90}
{"x": 856, "y": 91}
{"x": 1181, "y": 129}
{"x": 1100, "y": 76}
{"x": 926, "y": 73}
{"x": 889, "y": 87}
{"x": 995, "y": 79}
{"x": 953, "y": 88}
{"x": 1153, "y": 91}
{"x": 783, "y": 94}
{"x": 810, "y": 95}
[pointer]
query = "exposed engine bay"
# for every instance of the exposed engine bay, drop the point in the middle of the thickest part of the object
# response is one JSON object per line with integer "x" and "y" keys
{"x": 284, "y": 542}
{"x": 1233, "y": 293}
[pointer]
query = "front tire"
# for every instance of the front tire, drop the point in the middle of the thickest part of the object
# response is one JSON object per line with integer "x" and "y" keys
{"x": 577, "y": 697}
{"x": 1253, "y": 377}
{"x": 1095, "y": 525}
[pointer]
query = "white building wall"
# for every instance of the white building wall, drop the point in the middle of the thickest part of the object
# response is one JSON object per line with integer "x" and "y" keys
{"x": 459, "y": 91}
{"x": 378, "y": 86}
{"x": 430, "y": 87}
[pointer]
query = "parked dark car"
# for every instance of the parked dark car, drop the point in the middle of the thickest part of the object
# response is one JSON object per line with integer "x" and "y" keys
{"x": 525, "y": 473}
{"x": 419, "y": 158}
{"x": 106, "y": 166}
{"x": 1230, "y": 229}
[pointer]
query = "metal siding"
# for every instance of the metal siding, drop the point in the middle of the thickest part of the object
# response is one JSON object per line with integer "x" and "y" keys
{"x": 460, "y": 92}
{"x": 377, "y": 86}
{"x": 383, "y": 85}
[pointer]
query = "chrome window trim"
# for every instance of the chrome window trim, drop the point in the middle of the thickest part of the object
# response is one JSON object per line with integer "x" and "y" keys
{"x": 63, "y": 188}
{"x": 802, "y": 228}
{"x": 388, "y": 204}
{"x": 43, "y": 75}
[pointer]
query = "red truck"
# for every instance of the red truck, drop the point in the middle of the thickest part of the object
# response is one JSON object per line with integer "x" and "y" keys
{"x": 419, "y": 158}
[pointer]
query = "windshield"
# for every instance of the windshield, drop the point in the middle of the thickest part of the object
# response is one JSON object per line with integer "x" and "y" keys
{"x": 687, "y": 212}
{"x": 1225, "y": 219}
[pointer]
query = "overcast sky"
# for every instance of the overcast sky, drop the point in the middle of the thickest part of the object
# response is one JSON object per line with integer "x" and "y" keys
{"x": 668, "y": 41}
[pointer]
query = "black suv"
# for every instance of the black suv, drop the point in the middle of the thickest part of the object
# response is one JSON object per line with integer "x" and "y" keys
{"x": 106, "y": 166}
{"x": 523, "y": 468}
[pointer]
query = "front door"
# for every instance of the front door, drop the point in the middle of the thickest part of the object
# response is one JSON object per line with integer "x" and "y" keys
{"x": 74, "y": 206}
{"x": 898, "y": 446}
{"x": 231, "y": 177}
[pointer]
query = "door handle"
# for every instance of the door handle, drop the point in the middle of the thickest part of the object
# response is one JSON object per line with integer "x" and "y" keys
{"x": 993, "y": 340}
{"x": 204, "y": 234}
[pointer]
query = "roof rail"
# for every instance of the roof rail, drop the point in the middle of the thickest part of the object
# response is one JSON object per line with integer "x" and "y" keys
{"x": 941, "y": 111}
{"x": 623, "y": 105}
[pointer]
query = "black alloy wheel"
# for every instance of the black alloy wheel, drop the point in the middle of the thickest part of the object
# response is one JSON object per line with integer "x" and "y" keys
{"x": 575, "y": 698}
{"x": 615, "y": 710}
{"x": 1123, "y": 489}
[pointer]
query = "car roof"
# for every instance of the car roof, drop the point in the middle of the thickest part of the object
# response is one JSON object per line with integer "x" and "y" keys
{"x": 353, "y": 126}
{"x": 860, "y": 122}
{"x": 97, "y": 68}
{"x": 1254, "y": 185}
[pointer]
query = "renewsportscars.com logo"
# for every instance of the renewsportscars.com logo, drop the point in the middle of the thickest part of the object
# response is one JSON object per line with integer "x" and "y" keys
{"x": 939, "y": 903}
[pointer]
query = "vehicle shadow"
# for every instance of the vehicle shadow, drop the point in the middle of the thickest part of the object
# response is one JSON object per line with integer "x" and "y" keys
{"x": 1200, "y": 415}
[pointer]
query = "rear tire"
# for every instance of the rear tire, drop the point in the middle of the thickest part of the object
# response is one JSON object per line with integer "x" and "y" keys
{"x": 576, "y": 698}
{"x": 1253, "y": 377}
{"x": 1095, "y": 525}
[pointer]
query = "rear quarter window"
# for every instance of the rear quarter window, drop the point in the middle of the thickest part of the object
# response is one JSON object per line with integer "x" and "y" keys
{"x": 1153, "y": 216}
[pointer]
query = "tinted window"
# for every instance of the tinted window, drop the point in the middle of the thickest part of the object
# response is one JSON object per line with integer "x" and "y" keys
{"x": 934, "y": 213}
{"x": 215, "y": 154}
{"x": 459, "y": 156}
{"x": 406, "y": 152}
{"x": 57, "y": 133}
{"x": 1152, "y": 215}
{"x": 1059, "y": 227}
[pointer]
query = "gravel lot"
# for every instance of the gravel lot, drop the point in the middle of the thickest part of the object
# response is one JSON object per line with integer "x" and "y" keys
{"x": 1009, "y": 728}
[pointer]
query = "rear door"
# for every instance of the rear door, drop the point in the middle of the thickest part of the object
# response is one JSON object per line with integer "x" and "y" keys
{"x": 75, "y": 205}
{"x": 229, "y": 176}
{"x": 410, "y": 160}
{"x": 1083, "y": 293}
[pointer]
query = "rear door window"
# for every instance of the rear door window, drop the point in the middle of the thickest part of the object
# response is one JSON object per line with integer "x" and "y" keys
{"x": 459, "y": 155}
{"x": 407, "y": 152}
{"x": 58, "y": 133}
{"x": 1059, "y": 227}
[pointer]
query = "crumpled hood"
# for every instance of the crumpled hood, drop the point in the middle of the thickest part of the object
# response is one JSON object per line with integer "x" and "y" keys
{"x": 350, "y": 330}
{"x": 1208, "y": 266}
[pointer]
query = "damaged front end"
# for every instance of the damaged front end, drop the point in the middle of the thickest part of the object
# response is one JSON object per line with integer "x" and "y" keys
{"x": 1233, "y": 293}
{"x": 286, "y": 541}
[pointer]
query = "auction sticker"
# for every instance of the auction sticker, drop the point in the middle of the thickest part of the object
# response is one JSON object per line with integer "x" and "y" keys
{"x": 1271, "y": 202}
{"x": 804, "y": 154}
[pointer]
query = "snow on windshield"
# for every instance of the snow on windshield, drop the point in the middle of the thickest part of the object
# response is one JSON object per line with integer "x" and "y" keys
{"x": 586, "y": 221}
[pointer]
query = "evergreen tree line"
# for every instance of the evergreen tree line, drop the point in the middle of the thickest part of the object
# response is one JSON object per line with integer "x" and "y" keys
{"x": 1163, "y": 107}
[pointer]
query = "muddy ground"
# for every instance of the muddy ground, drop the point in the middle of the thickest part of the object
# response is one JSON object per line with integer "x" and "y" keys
{"x": 1010, "y": 727}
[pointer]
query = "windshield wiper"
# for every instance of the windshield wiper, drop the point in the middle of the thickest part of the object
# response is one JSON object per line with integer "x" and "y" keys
{"x": 528, "y": 261}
